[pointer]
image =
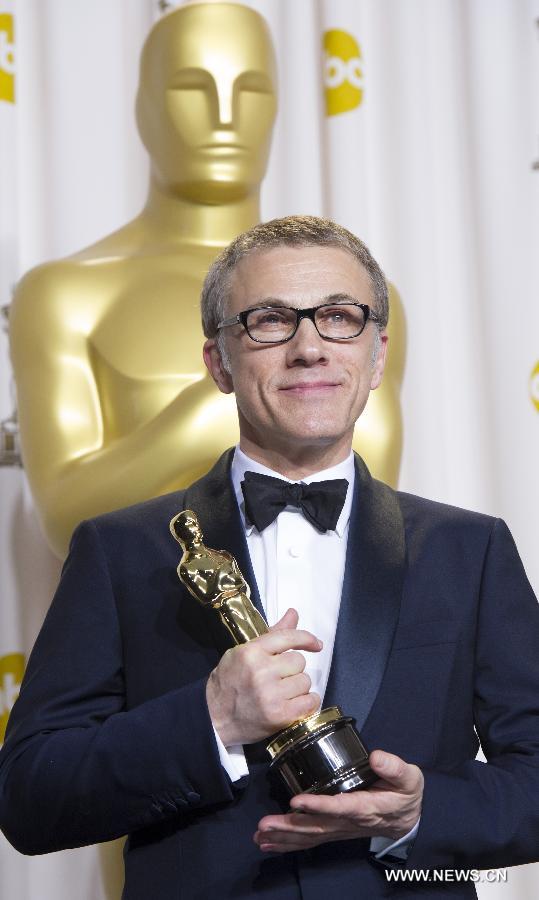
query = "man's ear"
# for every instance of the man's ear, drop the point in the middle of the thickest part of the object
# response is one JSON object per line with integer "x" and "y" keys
{"x": 380, "y": 362}
{"x": 214, "y": 365}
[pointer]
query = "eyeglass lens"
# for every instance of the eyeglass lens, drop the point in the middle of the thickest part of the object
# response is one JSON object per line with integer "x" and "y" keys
{"x": 276, "y": 323}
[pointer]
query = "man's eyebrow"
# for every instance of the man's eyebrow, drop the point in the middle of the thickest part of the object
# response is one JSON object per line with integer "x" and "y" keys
{"x": 340, "y": 298}
{"x": 276, "y": 301}
{"x": 266, "y": 301}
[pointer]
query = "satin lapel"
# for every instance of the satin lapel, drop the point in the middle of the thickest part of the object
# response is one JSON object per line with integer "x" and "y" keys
{"x": 212, "y": 499}
{"x": 371, "y": 597}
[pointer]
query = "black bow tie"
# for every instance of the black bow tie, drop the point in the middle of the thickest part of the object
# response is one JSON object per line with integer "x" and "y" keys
{"x": 320, "y": 502}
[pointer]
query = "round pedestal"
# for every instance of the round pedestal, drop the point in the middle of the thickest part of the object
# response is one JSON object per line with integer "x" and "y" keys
{"x": 323, "y": 754}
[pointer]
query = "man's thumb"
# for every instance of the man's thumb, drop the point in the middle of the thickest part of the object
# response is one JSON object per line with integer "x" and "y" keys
{"x": 401, "y": 775}
{"x": 289, "y": 620}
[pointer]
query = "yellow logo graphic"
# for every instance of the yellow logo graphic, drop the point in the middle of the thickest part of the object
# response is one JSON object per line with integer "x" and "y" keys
{"x": 534, "y": 386}
{"x": 11, "y": 672}
{"x": 7, "y": 58}
{"x": 343, "y": 72}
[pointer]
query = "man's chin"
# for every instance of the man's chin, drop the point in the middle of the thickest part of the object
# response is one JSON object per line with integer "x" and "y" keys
{"x": 303, "y": 435}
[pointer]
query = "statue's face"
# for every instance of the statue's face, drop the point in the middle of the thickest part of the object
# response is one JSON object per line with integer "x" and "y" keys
{"x": 206, "y": 101}
{"x": 187, "y": 529}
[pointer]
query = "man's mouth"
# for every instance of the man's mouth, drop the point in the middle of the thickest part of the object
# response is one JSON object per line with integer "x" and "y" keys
{"x": 308, "y": 388}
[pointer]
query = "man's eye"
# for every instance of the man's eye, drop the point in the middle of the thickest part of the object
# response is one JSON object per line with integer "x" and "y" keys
{"x": 337, "y": 315}
{"x": 271, "y": 317}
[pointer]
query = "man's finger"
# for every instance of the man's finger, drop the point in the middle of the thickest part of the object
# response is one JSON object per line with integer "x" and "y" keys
{"x": 394, "y": 770}
{"x": 336, "y": 806}
{"x": 289, "y": 639}
{"x": 289, "y": 823}
{"x": 289, "y": 620}
{"x": 295, "y": 686}
{"x": 291, "y": 663}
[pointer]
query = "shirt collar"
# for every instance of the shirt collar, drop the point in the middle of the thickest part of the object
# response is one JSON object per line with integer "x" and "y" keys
{"x": 242, "y": 463}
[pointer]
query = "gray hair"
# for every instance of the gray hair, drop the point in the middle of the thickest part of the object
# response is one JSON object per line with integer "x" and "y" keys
{"x": 291, "y": 231}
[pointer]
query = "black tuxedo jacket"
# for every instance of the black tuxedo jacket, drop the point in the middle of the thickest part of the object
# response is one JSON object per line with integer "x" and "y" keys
{"x": 437, "y": 644}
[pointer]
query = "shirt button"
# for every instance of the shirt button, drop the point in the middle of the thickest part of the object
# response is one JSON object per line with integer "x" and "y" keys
{"x": 294, "y": 551}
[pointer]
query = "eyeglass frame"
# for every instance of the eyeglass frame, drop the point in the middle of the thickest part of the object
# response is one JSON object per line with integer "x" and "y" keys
{"x": 308, "y": 313}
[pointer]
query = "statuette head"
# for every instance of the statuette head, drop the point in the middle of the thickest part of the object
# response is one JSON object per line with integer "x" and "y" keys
{"x": 186, "y": 529}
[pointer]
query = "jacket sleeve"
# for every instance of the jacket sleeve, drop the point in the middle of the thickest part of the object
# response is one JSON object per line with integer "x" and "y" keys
{"x": 486, "y": 815}
{"x": 77, "y": 767}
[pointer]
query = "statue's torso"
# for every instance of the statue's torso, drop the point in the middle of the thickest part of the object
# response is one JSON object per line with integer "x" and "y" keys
{"x": 211, "y": 575}
{"x": 145, "y": 337}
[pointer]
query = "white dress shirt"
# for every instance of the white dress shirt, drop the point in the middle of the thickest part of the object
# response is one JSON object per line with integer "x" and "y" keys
{"x": 282, "y": 557}
{"x": 297, "y": 566}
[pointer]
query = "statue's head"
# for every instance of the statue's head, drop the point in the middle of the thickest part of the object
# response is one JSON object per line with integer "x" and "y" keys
{"x": 185, "y": 529}
{"x": 207, "y": 101}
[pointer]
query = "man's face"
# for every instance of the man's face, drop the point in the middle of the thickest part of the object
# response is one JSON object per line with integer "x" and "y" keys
{"x": 309, "y": 391}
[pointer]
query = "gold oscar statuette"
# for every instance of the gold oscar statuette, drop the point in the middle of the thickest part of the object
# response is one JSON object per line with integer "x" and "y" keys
{"x": 321, "y": 754}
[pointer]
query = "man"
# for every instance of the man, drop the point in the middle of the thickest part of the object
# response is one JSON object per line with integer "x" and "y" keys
{"x": 416, "y": 618}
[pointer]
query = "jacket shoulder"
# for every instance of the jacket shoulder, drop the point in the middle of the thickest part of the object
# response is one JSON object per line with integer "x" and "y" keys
{"x": 413, "y": 506}
{"x": 139, "y": 531}
{"x": 443, "y": 531}
{"x": 141, "y": 515}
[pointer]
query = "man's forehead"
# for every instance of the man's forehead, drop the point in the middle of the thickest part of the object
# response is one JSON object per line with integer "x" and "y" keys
{"x": 300, "y": 274}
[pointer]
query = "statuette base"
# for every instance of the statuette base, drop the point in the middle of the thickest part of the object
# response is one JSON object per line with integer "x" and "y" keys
{"x": 323, "y": 754}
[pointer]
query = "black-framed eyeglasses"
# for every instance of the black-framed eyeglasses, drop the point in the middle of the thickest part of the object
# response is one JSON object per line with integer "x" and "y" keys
{"x": 278, "y": 324}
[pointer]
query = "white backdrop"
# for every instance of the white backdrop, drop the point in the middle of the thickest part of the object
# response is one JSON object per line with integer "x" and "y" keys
{"x": 431, "y": 164}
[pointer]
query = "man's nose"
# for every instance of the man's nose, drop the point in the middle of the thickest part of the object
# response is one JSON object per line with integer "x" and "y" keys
{"x": 306, "y": 347}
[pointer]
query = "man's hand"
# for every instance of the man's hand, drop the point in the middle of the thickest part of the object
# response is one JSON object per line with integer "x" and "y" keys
{"x": 390, "y": 808}
{"x": 260, "y": 687}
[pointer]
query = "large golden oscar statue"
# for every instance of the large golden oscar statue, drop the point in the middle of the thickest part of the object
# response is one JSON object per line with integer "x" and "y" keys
{"x": 115, "y": 405}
